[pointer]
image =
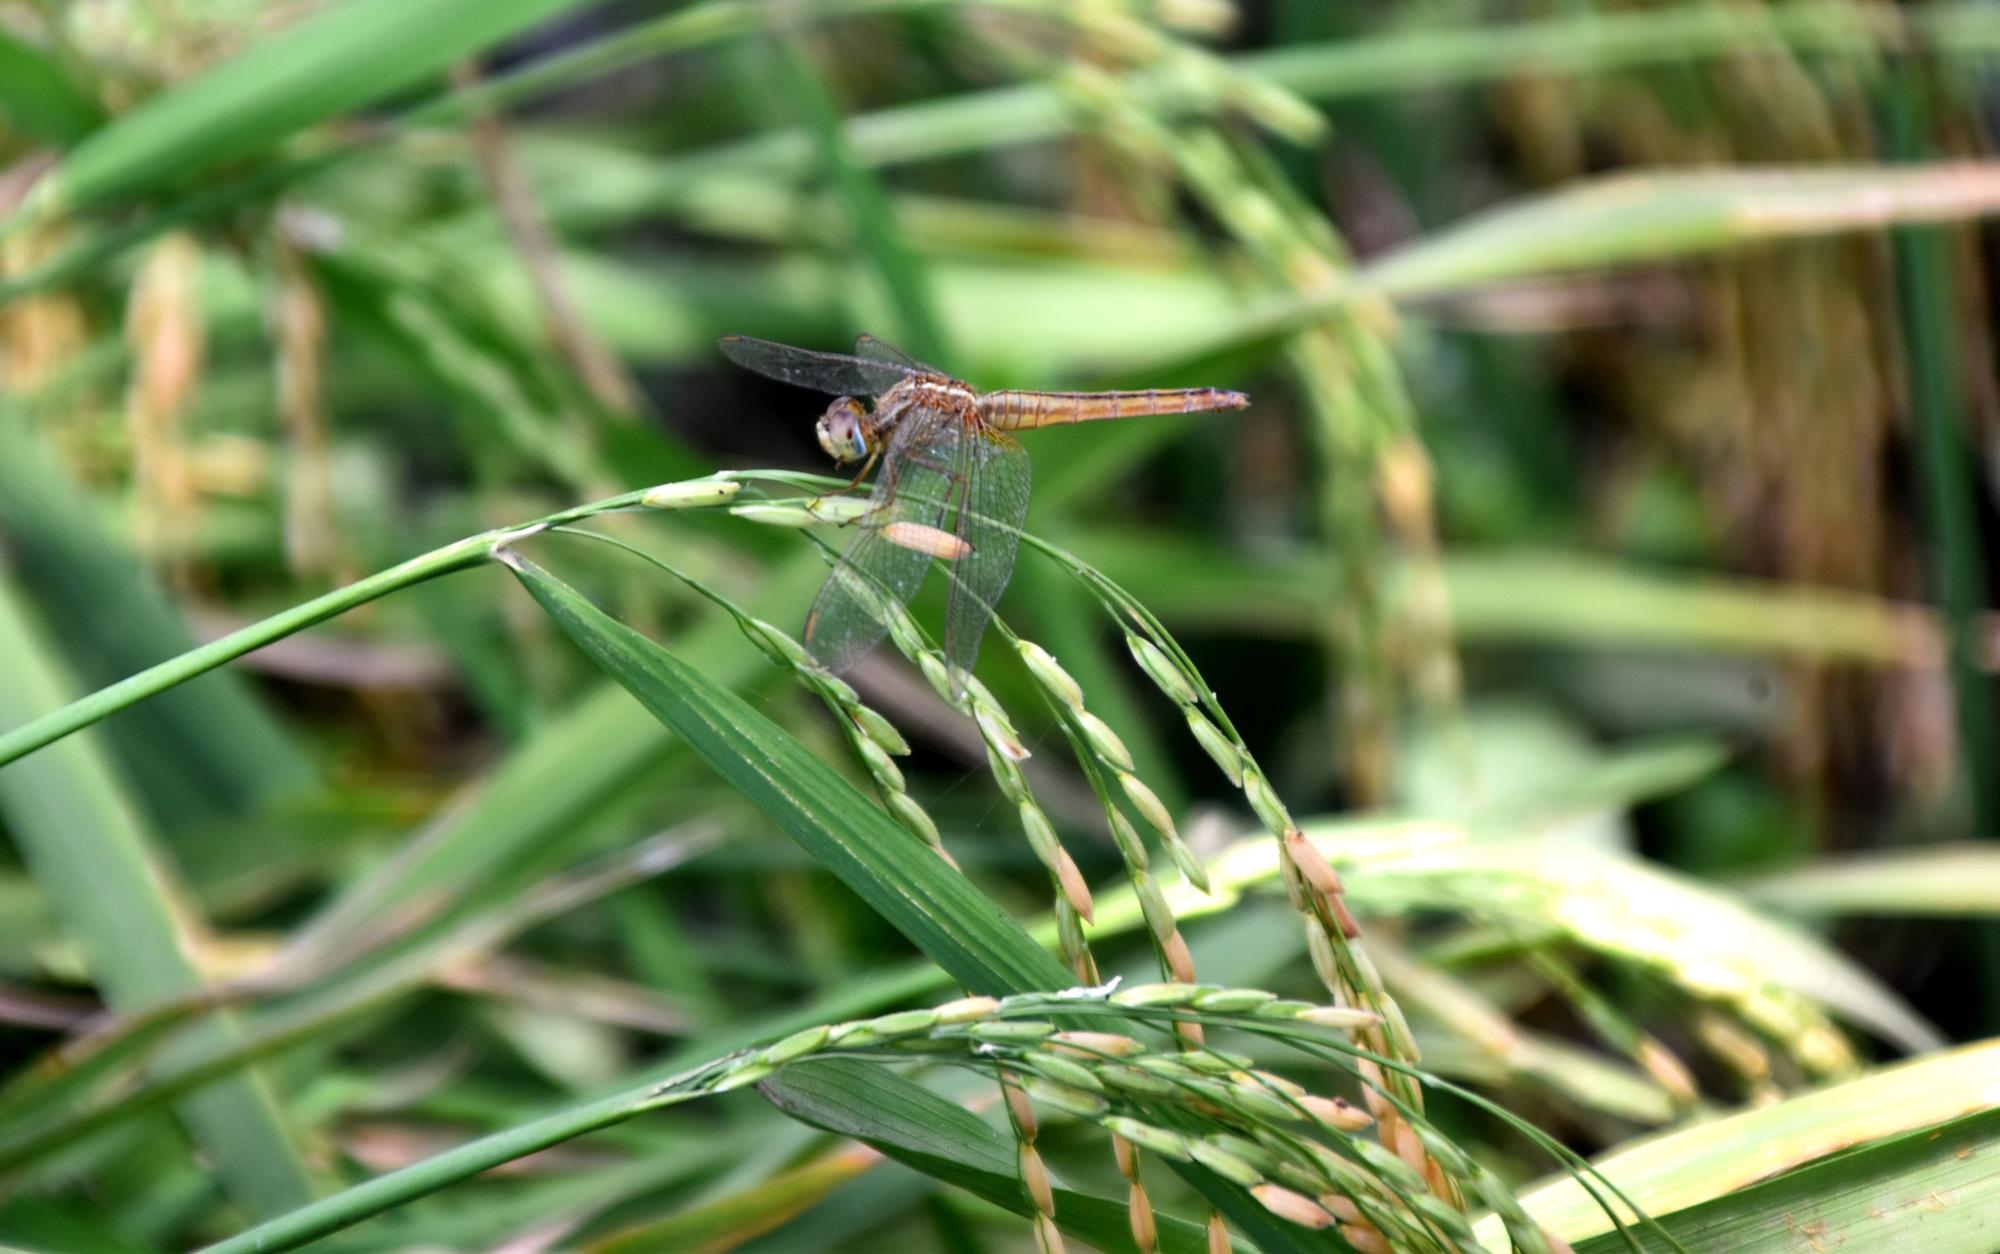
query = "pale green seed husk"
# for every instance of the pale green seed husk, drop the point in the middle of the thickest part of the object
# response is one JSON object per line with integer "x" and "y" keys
{"x": 1185, "y": 860}
{"x": 1065, "y": 1071}
{"x": 1271, "y": 812}
{"x": 1153, "y": 904}
{"x": 1006, "y": 1030}
{"x": 797, "y": 1045}
{"x": 913, "y": 816}
{"x": 1162, "y": 670}
{"x": 965, "y": 1010}
{"x": 1130, "y": 847}
{"x": 1146, "y": 1136}
{"x": 1103, "y": 741}
{"x": 1050, "y": 674}
{"x": 879, "y": 729}
{"x": 774, "y": 514}
{"x": 904, "y": 1022}
{"x": 1224, "y": 1164}
{"x": 879, "y": 764}
{"x": 779, "y": 644}
{"x": 1234, "y": 1000}
{"x": 1159, "y": 994}
{"x": 1216, "y": 745}
{"x": 1059, "y": 1096}
{"x": 1041, "y": 836}
{"x": 1148, "y": 804}
{"x": 690, "y": 493}
{"x": 934, "y": 669}
{"x": 998, "y": 732}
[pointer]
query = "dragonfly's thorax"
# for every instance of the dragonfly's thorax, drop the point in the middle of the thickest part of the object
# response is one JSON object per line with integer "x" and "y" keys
{"x": 930, "y": 392}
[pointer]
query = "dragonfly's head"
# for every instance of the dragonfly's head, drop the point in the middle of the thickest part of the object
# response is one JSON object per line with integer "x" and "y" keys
{"x": 843, "y": 430}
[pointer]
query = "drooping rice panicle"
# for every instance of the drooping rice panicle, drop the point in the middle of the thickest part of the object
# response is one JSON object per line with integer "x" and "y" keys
{"x": 1296, "y": 1154}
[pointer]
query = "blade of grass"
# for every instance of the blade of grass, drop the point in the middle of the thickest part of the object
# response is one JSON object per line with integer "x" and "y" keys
{"x": 1927, "y": 308}
{"x": 1635, "y": 218}
{"x": 1535, "y": 597}
{"x": 1594, "y": 43}
{"x": 40, "y": 97}
{"x": 341, "y": 58}
{"x": 152, "y": 681}
{"x": 557, "y": 780}
{"x": 917, "y": 892}
{"x": 1931, "y": 1189}
{"x": 201, "y": 752}
{"x": 347, "y": 998}
{"x": 741, "y": 1216}
{"x": 1953, "y": 879}
{"x": 1683, "y": 1169}
{"x": 1649, "y": 216}
{"x": 89, "y": 852}
{"x": 870, "y": 217}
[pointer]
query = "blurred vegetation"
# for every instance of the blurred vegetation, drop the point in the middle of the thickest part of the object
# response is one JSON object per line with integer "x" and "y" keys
{"x": 1589, "y": 621}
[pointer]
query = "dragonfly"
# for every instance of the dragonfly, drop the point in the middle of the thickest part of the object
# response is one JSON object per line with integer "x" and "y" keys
{"x": 953, "y": 482}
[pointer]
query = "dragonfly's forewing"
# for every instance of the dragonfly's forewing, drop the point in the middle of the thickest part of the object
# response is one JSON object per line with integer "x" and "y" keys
{"x": 868, "y": 348}
{"x": 914, "y": 486}
{"x": 824, "y": 372}
{"x": 993, "y": 480}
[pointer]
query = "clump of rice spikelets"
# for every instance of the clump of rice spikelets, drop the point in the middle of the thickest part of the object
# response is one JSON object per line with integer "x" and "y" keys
{"x": 1297, "y": 1154}
{"x": 1363, "y": 419}
{"x": 1101, "y": 755}
{"x": 1005, "y": 752}
{"x": 1633, "y": 916}
{"x": 1099, "y": 752}
{"x": 1073, "y": 903}
{"x": 1312, "y": 885}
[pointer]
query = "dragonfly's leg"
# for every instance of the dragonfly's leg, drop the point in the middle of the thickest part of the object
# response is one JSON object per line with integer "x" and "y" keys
{"x": 861, "y": 474}
{"x": 853, "y": 483}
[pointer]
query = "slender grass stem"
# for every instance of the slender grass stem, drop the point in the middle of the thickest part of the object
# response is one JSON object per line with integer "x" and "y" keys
{"x": 106, "y": 701}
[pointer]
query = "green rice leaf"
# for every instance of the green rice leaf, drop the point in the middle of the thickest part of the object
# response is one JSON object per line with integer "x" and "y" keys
{"x": 1711, "y": 1160}
{"x": 83, "y": 840}
{"x": 1931, "y": 1189}
{"x": 916, "y": 891}
{"x": 40, "y": 97}
{"x": 342, "y": 58}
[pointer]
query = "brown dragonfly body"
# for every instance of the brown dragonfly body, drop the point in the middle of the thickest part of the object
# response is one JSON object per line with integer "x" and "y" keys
{"x": 954, "y": 483}
{"x": 1025, "y": 411}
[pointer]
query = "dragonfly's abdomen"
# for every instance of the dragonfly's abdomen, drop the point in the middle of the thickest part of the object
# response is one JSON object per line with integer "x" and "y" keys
{"x": 1018, "y": 410}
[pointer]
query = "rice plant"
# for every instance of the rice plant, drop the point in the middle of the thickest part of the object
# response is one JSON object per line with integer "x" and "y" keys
{"x": 1499, "y": 642}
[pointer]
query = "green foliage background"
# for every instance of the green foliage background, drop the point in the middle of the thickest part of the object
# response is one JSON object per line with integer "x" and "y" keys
{"x": 1599, "y": 576}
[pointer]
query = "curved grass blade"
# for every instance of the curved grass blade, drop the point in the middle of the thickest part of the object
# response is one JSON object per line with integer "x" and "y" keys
{"x": 1962, "y": 878}
{"x": 1933, "y": 1188}
{"x": 199, "y": 752}
{"x": 918, "y": 893}
{"x": 87, "y": 848}
{"x": 342, "y": 58}
{"x": 1710, "y": 1160}
{"x": 40, "y": 98}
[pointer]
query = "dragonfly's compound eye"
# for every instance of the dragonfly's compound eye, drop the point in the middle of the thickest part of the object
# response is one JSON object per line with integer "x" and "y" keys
{"x": 843, "y": 431}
